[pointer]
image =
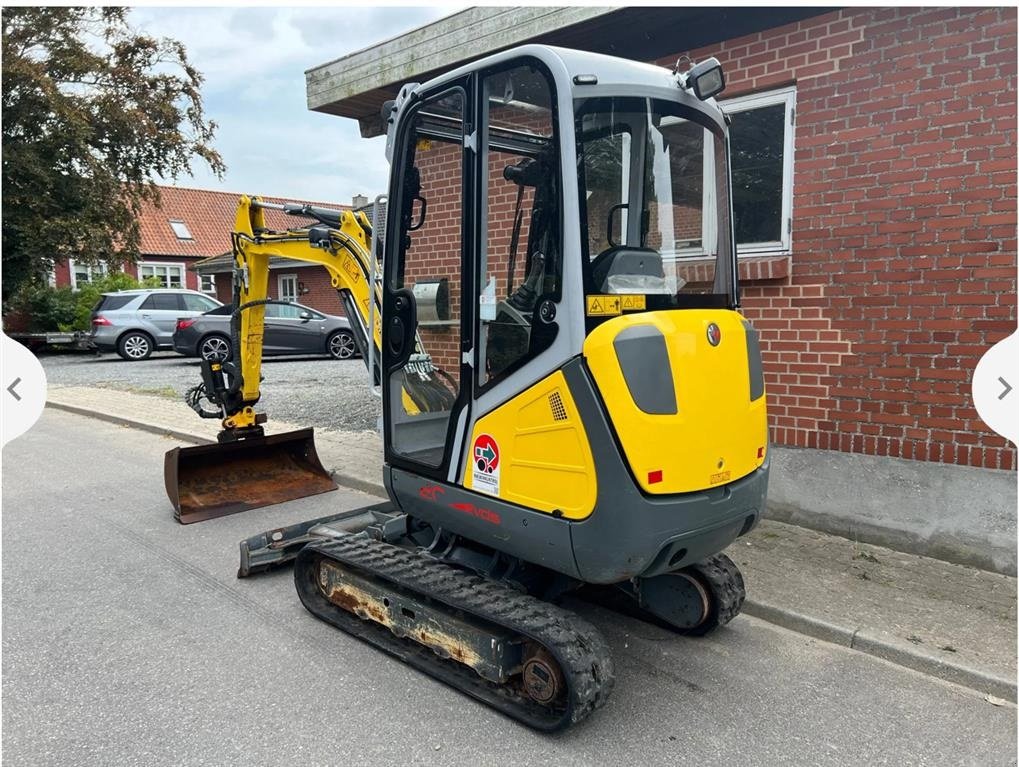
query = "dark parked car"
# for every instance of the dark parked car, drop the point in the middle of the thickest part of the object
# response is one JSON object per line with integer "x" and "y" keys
{"x": 289, "y": 329}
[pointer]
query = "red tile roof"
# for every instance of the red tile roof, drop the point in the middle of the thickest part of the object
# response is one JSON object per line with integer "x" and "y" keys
{"x": 208, "y": 215}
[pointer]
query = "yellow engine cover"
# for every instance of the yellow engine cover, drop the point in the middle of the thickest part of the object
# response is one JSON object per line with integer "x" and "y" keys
{"x": 533, "y": 450}
{"x": 714, "y": 433}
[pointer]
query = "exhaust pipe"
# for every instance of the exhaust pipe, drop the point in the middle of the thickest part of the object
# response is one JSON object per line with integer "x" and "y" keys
{"x": 210, "y": 481}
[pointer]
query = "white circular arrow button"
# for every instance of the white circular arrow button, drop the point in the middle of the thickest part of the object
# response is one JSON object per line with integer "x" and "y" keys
{"x": 996, "y": 387}
{"x": 22, "y": 389}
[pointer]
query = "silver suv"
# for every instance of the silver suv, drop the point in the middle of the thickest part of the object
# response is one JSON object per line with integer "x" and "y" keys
{"x": 135, "y": 322}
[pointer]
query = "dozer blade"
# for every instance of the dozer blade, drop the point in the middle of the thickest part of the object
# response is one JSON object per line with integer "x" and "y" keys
{"x": 212, "y": 481}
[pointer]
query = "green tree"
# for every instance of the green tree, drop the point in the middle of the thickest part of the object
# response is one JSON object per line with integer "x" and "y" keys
{"x": 93, "y": 114}
{"x": 50, "y": 309}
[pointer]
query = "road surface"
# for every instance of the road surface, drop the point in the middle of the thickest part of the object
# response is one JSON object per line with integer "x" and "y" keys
{"x": 127, "y": 640}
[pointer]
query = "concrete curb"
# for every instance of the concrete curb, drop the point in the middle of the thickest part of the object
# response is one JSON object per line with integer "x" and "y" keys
{"x": 866, "y": 642}
{"x": 132, "y": 422}
{"x": 856, "y": 639}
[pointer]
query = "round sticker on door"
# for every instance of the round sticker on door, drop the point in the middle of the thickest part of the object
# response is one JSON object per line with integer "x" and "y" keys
{"x": 485, "y": 462}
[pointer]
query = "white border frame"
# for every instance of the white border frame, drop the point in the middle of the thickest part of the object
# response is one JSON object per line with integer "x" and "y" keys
{"x": 279, "y": 287}
{"x": 189, "y": 238}
{"x": 90, "y": 267}
{"x": 180, "y": 264}
{"x": 785, "y": 96}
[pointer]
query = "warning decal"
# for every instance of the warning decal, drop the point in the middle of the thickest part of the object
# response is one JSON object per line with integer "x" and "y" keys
{"x": 603, "y": 306}
{"x": 634, "y": 303}
{"x": 485, "y": 465}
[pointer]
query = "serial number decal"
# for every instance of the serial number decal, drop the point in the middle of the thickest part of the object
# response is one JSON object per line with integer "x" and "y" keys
{"x": 722, "y": 476}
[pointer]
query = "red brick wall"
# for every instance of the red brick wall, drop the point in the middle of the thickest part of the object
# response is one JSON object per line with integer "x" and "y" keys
{"x": 903, "y": 270}
{"x": 320, "y": 295}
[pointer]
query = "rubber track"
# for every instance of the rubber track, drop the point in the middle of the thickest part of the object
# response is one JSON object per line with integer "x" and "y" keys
{"x": 581, "y": 651}
{"x": 727, "y": 589}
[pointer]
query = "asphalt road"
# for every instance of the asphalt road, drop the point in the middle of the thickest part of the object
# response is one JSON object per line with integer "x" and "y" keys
{"x": 312, "y": 391}
{"x": 127, "y": 640}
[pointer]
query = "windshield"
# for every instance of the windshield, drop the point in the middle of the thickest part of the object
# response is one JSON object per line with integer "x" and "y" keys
{"x": 654, "y": 203}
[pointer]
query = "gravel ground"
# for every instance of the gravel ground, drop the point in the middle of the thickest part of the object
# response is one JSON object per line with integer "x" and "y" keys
{"x": 312, "y": 391}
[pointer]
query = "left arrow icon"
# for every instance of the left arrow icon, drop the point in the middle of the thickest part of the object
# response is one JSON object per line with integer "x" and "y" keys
{"x": 11, "y": 389}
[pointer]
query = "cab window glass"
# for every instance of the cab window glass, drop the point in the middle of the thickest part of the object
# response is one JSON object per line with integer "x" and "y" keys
{"x": 519, "y": 262}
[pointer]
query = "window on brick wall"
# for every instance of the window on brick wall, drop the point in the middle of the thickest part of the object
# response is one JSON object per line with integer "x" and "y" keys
{"x": 761, "y": 145}
{"x": 288, "y": 287}
{"x": 169, "y": 275}
{"x": 207, "y": 283}
{"x": 83, "y": 274}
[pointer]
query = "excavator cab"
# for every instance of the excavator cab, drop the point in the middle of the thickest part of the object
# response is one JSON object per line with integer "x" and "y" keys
{"x": 579, "y": 209}
{"x": 586, "y": 408}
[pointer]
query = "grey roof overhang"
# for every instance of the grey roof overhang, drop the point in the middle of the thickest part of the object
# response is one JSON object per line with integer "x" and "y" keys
{"x": 224, "y": 264}
{"x": 357, "y": 85}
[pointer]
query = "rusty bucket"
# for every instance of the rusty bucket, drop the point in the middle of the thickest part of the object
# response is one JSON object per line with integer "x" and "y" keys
{"x": 212, "y": 481}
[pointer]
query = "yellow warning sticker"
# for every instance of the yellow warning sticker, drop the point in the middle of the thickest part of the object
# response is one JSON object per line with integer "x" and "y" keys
{"x": 634, "y": 303}
{"x": 603, "y": 306}
{"x": 722, "y": 476}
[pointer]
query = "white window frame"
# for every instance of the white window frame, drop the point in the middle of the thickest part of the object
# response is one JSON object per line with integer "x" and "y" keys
{"x": 786, "y": 96}
{"x": 179, "y": 234}
{"x": 284, "y": 278}
{"x": 211, "y": 291}
{"x": 166, "y": 265}
{"x": 709, "y": 220}
{"x": 103, "y": 270}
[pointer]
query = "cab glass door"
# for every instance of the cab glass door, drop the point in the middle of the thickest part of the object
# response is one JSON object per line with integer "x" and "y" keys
{"x": 424, "y": 275}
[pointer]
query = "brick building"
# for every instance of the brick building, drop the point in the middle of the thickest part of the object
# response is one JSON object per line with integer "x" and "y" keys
{"x": 874, "y": 164}
{"x": 188, "y": 226}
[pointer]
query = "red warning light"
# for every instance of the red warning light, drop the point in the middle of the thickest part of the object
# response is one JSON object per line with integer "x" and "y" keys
{"x": 760, "y": 452}
{"x": 654, "y": 477}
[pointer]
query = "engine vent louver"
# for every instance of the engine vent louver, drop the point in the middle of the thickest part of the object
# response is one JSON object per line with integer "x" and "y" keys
{"x": 558, "y": 409}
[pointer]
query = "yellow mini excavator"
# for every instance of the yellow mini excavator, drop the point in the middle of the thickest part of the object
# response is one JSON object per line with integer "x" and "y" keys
{"x": 547, "y": 303}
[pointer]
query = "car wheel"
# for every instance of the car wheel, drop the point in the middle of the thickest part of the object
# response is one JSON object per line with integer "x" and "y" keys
{"x": 134, "y": 346}
{"x": 341, "y": 345}
{"x": 214, "y": 348}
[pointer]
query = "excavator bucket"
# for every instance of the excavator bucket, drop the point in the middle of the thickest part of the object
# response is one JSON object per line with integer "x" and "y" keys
{"x": 212, "y": 481}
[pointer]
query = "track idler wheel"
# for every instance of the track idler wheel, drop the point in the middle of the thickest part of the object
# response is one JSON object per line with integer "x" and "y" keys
{"x": 697, "y": 599}
{"x": 542, "y": 677}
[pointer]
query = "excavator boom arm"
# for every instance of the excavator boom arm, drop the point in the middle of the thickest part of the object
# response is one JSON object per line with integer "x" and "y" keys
{"x": 344, "y": 253}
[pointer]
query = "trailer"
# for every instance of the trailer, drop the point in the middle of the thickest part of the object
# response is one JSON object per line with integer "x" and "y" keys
{"x": 75, "y": 340}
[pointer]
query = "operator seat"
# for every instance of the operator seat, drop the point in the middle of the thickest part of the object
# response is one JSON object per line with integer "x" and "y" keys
{"x": 626, "y": 269}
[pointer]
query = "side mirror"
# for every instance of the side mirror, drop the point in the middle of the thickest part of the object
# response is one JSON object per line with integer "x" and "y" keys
{"x": 305, "y": 316}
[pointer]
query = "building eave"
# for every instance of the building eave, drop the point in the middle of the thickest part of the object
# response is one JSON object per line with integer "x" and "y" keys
{"x": 357, "y": 85}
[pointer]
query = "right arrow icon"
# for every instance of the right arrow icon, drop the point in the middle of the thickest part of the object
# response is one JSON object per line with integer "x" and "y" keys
{"x": 1008, "y": 388}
